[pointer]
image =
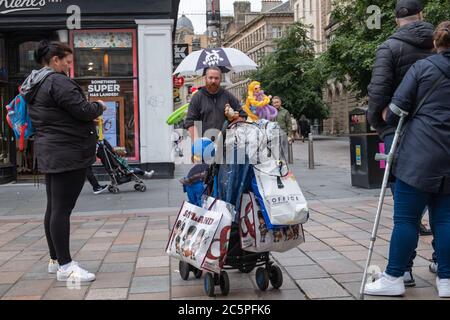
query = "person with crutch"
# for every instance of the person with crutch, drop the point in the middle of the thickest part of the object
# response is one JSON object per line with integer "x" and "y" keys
{"x": 412, "y": 41}
{"x": 421, "y": 166}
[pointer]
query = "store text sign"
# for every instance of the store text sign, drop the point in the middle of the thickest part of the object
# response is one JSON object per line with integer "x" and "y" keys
{"x": 9, "y": 6}
{"x": 104, "y": 88}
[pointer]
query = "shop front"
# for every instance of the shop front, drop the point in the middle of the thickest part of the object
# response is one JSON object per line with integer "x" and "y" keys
{"x": 122, "y": 55}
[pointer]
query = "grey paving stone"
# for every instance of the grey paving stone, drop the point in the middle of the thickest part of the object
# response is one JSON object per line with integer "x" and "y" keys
{"x": 117, "y": 267}
{"x": 322, "y": 288}
{"x": 339, "y": 266}
{"x": 107, "y": 294}
{"x": 150, "y": 284}
{"x": 306, "y": 272}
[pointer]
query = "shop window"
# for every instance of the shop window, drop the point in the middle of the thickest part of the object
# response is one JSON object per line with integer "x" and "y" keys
{"x": 26, "y": 57}
{"x": 103, "y": 54}
{"x": 4, "y": 129}
{"x": 3, "y": 69}
{"x": 105, "y": 67}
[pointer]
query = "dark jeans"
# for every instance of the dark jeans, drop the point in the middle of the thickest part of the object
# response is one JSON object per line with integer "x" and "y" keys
{"x": 409, "y": 204}
{"x": 63, "y": 190}
{"x": 388, "y": 139}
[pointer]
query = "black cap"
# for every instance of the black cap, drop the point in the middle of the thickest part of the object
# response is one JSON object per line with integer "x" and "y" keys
{"x": 406, "y": 8}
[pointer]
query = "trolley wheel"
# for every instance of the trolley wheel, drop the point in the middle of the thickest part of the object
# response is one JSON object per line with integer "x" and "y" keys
{"x": 113, "y": 189}
{"x": 208, "y": 285}
{"x": 246, "y": 268}
{"x": 184, "y": 270}
{"x": 276, "y": 276}
{"x": 197, "y": 273}
{"x": 224, "y": 283}
{"x": 142, "y": 188}
{"x": 137, "y": 186}
{"x": 262, "y": 278}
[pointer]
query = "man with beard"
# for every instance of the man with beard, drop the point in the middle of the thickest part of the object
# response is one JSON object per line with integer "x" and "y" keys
{"x": 210, "y": 106}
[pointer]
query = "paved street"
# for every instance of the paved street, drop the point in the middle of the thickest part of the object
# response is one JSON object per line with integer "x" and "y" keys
{"x": 122, "y": 238}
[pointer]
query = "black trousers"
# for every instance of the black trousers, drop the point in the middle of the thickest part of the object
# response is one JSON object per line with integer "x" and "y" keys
{"x": 63, "y": 190}
{"x": 91, "y": 178}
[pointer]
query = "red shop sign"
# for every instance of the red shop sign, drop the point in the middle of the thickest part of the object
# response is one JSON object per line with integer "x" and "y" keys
{"x": 178, "y": 82}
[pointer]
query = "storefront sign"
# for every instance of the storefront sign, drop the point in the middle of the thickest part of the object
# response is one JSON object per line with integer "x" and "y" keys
{"x": 180, "y": 51}
{"x": 10, "y": 6}
{"x": 178, "y": 82}
{"x": 39, "y": 7}
{"x": 104, "y": 88}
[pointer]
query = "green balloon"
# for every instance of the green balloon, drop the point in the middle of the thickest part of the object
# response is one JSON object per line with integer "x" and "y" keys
{"x": 178, "y": 115}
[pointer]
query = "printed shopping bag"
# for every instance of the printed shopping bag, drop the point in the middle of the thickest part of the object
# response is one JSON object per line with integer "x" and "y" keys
{"x": 217, "y": 253}
{"x": 256, "y": 237}
{"x": 193, "y": 234}
{"x": 280, "y": 196}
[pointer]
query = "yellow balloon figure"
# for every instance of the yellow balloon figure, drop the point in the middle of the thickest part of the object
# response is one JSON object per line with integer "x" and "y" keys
{"x": 257, "y": 103}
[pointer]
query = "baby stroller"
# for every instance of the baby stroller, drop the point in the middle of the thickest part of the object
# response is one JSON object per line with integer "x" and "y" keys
{"x": 228, "y": 182}
{"x": 117, "y": 168}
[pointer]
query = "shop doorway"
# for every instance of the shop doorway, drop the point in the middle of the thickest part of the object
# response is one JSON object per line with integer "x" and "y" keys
{"x": 20, "y": 62}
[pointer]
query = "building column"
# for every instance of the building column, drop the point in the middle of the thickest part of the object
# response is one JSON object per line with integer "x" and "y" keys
{"x": 155, "y": 94}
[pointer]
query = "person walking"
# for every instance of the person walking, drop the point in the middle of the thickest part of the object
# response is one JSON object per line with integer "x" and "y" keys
{"x": 284, "y": 121}
{"x": 64, "y": 148}
{"x": 422, "y": 167}
{"x": 412, "y": 41}
{"x": 304, "y": 127}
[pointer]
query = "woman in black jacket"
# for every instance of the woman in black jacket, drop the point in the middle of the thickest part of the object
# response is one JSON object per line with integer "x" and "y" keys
{"x": 65, "y": 144}
{"x": 422, "y": 167}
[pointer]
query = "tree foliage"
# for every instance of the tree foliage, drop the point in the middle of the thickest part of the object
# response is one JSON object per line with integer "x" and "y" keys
{"x": 291, "y": 73}
{"x": 353, "y": 43}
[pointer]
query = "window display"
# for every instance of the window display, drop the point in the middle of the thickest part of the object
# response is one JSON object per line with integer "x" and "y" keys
{"x": 105, "y": 66}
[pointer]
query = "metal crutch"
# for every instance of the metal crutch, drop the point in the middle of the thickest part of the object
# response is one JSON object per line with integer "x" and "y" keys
{"x": 388, "y": 158}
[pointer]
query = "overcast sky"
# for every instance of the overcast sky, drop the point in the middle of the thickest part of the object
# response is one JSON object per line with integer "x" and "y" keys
{"x": 195, "y": 10}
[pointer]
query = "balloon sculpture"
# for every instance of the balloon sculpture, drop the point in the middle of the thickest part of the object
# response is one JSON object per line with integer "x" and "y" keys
{"x": 181, "y": 113}
{"x": 257, "y": 103}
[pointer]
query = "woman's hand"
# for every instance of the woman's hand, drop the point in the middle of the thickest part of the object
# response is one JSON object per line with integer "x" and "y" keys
{"x": 102, "y": 104}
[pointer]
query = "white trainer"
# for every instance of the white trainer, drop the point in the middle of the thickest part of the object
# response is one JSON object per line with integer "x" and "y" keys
{"x": 53, "y": 266}
{"x": 385, "y": 286}
{"x": 443, "y": 286}
{"x": 148, "y": 174}
{"x": 74, "y": 273}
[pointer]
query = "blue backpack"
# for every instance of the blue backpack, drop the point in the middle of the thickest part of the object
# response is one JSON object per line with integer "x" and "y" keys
{"x": 19, "y": 120}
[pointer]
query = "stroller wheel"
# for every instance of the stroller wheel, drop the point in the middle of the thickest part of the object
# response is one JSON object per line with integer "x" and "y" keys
{"x": 262, "y": 278}
{"x": 184, "y": 270}
{"x": 209, "y": 285}
{"x": 113, "y": 189}
{"x": 140, "y": 187}
{"x": 224, "y": 283}
{"x": 197, "y": 273}
{"x": 276, "y": 276}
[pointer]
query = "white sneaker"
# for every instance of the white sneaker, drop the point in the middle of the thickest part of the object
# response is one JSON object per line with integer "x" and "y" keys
{"x": 443, "y": 286}
{"x": 53, "y": 266}
{"x": 148, "y": 174}
{"x": 74, "y": 273}
{"x": 385, "y": 286}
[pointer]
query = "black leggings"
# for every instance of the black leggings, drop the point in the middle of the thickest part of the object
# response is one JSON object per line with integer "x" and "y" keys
{"x": 63, "y": 190}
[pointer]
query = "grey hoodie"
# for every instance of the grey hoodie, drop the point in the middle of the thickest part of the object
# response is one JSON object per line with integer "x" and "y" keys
{"x": 33, "y": 82}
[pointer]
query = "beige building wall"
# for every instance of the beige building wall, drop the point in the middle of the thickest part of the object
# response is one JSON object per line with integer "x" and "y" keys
{"x": 316, "y": 14}
{"x": 256, "y": 39}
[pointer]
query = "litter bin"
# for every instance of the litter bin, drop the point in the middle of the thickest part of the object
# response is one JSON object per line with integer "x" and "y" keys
{"x": 364, "y": 144}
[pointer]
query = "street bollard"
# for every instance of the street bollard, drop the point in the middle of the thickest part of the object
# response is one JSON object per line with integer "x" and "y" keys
{"x": 311, "y": 151}
{"x": 290, "y": 153}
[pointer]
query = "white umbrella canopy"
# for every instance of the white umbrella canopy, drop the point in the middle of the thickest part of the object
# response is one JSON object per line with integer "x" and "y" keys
{"x": 228, "y": 59}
